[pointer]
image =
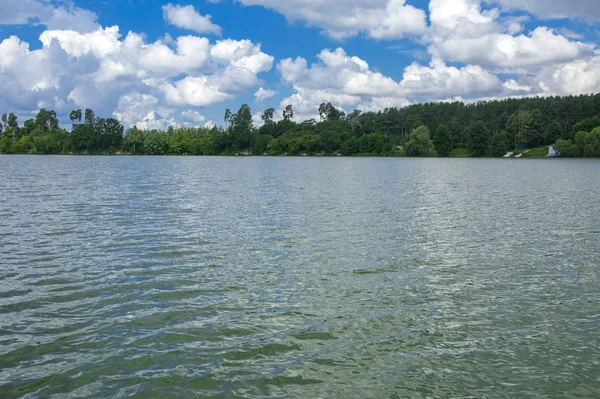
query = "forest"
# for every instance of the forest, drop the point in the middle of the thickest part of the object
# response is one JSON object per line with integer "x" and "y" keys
{"x": 481, "y": 129}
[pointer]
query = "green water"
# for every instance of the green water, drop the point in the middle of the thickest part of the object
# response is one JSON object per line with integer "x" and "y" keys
{"x": 299, "y": 278}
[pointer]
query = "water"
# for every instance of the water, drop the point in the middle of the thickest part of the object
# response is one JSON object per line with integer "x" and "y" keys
{"x": 299, "y": 278}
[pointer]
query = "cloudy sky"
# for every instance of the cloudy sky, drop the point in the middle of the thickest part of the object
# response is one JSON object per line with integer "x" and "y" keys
{"x": 154, "y": 63}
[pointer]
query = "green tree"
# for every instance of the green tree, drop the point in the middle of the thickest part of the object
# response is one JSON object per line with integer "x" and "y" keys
{"x": 227, "y": 118}
{"x": 267, "y": 116}
{"x": 518, "y": 126}
{"x": 76, "y": 115}
{"x": 418, "y": 144}
{"x": 156, "y": 143}
{"x": 241, "y": 127}
{"x": 288, "y": 113}
{"x": 442, "y": 141}
{"x": 133, "y": 142}
{"x": 566, "y": 148}
{"x": 329, "y": 113}
{"x": 499, "y": 145}
{"x": 591, "y": 145}
{"x": 478, "y": 139}
{"x": 90, "y": 117}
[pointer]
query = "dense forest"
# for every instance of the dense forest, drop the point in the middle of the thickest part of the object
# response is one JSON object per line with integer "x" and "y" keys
{"x": 487, "y": 128}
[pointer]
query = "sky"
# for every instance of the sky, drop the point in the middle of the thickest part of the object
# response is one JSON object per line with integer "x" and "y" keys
{"x": 157, "y": 63}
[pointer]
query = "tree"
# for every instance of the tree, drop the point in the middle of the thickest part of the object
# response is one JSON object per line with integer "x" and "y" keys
{"x": 133, "y": 142}
{"x": 89, "y": 117}
{"x": 566, "y": 148}
{"x": 13, "y": 125}
{"x": 227, "y": 118}
{"x": 329, "y": 113}
{"x": 353, "y": 119}
{"x": 241, "y": 127}
{"x": 478, "y": 139}
{"x": 288, "y": 113}
{"x": 267, "y": 116}
{"x": 418, "y": 144}
{"x": 442, "y": 141}
{"x": 76, "y": 115}
{"x": 591, "y": 146}
{"x": 518, "y": 126}
{"x": 499, "y": 145}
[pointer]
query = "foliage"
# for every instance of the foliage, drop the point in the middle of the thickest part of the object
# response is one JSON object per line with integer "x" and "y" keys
{"x": 486, "y": 128}
{"x": 499, "y": 145}
{"x": 418, "y": 144}
{"x": 442, "y": 141}
{"x": 478, "y": 139}
{"x": 586, "y": 144}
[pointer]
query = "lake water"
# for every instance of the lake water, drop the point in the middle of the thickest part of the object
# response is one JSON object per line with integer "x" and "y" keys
{"x": 181, "y": 277}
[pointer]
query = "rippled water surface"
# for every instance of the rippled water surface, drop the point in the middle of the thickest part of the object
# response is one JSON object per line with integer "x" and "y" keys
{"x": 299, "y": 278}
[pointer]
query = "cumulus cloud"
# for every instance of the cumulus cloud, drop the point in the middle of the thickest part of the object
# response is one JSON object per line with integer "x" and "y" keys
{"x": 193, "y": 117}
{"x": 186, "y": 17}
{"x": 148, "y": 84}
{"x": 379, "y": 19}
{"x": 462, "y": 32}
{"x": 551, "y": 9}
{"x": 348, "y": 81}
{"x": 262, "y": 94}
{"x": 26, "y": 12}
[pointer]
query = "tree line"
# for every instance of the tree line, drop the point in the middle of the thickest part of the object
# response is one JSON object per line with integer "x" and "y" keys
{"x": 486, "y": 128}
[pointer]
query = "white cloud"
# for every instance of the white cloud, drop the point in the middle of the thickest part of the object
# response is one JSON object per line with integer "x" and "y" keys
{"x": 151, "y": 83}
{"x": 144, "y": 111}
{"x": 186, "y": 17}
{"x": 551, "y": 9}
{"x": 462, "y": 32}
{"x": 262, "y": 94}
{"x": 576, "y": 77}
{"x": 193, "y": 117}
{"x": 348, "y": 81}
{"x": 26, "y": 12}
{"x": 379, "y": 19}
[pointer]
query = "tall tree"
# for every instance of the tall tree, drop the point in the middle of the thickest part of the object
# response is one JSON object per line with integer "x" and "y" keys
{"x": 241, "y": 127}
{"x": 267, "y": 116}
{"x": 442, "y": 141}
{"x": 227, "y": 118}
{"x": 478, "y": 139}
{"x": 418, "y": 144}
{"x": 76, "y": 115}
{"x": 288, "y": 113}
{"x": 89, "y": 117}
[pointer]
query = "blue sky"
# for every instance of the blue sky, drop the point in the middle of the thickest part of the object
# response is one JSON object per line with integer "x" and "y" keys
{"x": 156, "y": 63}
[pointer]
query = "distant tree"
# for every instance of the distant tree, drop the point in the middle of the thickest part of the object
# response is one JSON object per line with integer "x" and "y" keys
{"x": 418, "y": 144}
{"x": 13, "y": 125}
{"x": 353, "y": 120}
{"x": 566, "y": 148}
{"x": 518, "y": 126}
{"x": 76, "y": 115}
{"x": 591, "y": 146}
{"x": 329, "y": 113}
{"x": 288, "y": 113}
{"x": 227, "y": 118}
{"x": 456, "y": 133}
{"x": 478, "y": 139}
{"x": 442, "y": 141}
{"x": 133, "y": 142}
{"x": 267, "y": 116}
{"x": 90, "y": 117}
{"x": 587, "y": 125}
{"x": 241, "y": 127}
{"x": 553, "y": 131}
{"x": 499, "y": 145}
